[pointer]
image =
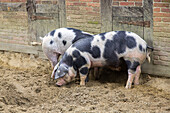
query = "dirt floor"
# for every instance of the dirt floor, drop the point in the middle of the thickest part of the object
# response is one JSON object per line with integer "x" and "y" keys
{"x": 26, "y": 87}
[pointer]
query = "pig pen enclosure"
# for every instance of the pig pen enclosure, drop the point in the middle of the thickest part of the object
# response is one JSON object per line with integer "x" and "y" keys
{"x": 25, "y": 73}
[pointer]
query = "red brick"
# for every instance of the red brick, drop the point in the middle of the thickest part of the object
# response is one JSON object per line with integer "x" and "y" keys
{"x": 120, "y": 0}
{"x": 135, "y": 0}
{"x": 15, "y": 0}
{"x": 157, "y": 0}
{"x": 164, "y": 58}
{"x": 161, "y": 4}
{"x": 73, "y": 0}
{"x": 164, "y": 24}
{"x": 161, "y": 53}
{"x": 159, "y": 62}
{"x": 96, "y": 1}
{"x": 73, "y": 8}
{"x": 68, "y": 3}
{"x": 38, "y": 1}
{"x": 93, "y": 4}
{"x": 157, "y": 9}
{"x": 115, "y": 4}
{"x": 86, "y": 0}
{"x": 79, "y": 4}
{"x": 87, "y": 8}
{"x": 96, "y": 9}
{"x": 165, "y": 10}
{"x": 157, "y": 19}
{"x": 156, "y": 57}
{"x": 54, "y": 2}
{"x": 166, "y": 19}
{"x": 161, "y": 14}
{"x": 161, "y": 29}
{"x": 126, "y": 3}
{"x": 6, "y": 1}
{"x": 23, "y": 0}
{"x": 138, "y": 3}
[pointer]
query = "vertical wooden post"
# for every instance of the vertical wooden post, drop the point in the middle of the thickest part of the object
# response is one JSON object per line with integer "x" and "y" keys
{"x": 106, "y": 15}
{"x": 148, "y": 16}
{"x": 62, "y": 13}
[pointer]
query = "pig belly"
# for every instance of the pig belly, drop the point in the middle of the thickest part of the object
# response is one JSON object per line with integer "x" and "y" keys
{"x": 98, "y": 64}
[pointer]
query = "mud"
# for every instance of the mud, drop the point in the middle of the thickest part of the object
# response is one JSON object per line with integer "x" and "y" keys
{"x": 26, "y": 87}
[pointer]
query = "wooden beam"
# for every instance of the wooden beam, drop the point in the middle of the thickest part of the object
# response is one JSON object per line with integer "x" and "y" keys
{"x": 62, "y": 13}
{"x": 106, "y": 15}
{"x": 156, "y": 69}
{"x": 18, "y": 48}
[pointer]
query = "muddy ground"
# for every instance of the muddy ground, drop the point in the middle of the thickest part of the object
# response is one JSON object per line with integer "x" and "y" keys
{"x": 26, "y": 87}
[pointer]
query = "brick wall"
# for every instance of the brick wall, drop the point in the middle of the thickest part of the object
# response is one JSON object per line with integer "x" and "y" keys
{"x": 137, "y": 3}
{"x": 13, "y": 22}
{"x": 161, "y": 32}
{"x": 84, "y": 15}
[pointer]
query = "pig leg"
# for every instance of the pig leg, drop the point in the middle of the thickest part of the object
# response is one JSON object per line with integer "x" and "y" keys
{"x": 138, "y": 72}
{"x": 132, "y": 71}
{"x": 96, "y": 73}
{"x": 84, "y": 72}
{"x": 130, "y": 80}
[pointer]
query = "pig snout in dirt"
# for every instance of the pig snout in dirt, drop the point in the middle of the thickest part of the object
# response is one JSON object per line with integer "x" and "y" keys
{"x": 105, "y": 49}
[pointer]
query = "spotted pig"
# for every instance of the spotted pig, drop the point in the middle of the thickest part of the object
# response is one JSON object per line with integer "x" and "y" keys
{"x": 105, "y": 49}
{"x": 56, "y": 42}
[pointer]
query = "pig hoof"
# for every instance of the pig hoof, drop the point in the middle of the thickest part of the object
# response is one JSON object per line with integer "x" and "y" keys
{"x": 82, "y": 83}
{"x": 128, "y": 86}
{"x": 136, "y": 83}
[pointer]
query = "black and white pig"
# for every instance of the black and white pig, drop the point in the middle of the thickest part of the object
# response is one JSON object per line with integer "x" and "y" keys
{"x": 56, "y": 42}
{"x": 105, "y": 49}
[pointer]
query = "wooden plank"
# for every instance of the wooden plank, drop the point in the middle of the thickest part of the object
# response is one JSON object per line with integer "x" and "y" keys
{"x": 127, "y": 11}
{"x": 46, "y": 8}
{"x": 118, "y": 25}
{"x": 18, "y": 48}
{"x": 156, "y": 69}
{"x": 62, "y": 13}
{"x": 106, "y": 15}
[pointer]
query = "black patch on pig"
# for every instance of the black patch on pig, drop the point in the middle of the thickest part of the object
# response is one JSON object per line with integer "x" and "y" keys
{"x": 96, "y": 52}
{"x": 128, "y": 63}
{"x": 64, "y": 42}
{"x": 59, "y": 35}
{"x": 109, "y": 53}
{"x": 79, "y": 62}
{"x": 131, "y": 42}
{"x": 135, "y": 65}
{"x": 84, "y": 70}
{"x": 51, "y": 42}
{"x": 67, "y": 59}
{"x": 52, "y": 33}
{"x": 76, "y": 53}
{"x": 84, "y": 45}
{"x": 79, "y": 34}
{"x": 119, "y": 43}
{"x": 144, "y": 50}
{"x": 102, "y": 36}
{"x": 140, "y": 47}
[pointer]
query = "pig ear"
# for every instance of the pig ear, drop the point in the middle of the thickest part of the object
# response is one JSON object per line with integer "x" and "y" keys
{"x": 41, "y": 38}
{"x": 54, "y": 70}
